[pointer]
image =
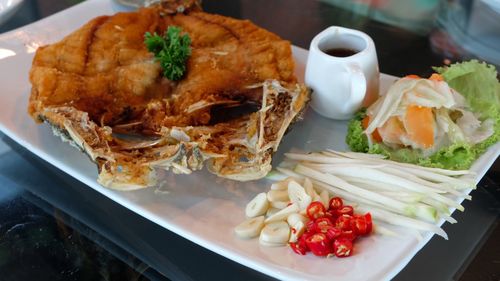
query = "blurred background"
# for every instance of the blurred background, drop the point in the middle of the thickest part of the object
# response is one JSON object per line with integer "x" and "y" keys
{"x": 454, "y": 29}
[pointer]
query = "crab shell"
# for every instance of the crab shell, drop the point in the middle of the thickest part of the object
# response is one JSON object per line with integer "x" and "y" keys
{"x": 128, "y": 164}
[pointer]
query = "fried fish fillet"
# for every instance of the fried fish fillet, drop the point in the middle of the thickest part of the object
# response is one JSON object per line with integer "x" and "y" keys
{"x": 104, "y": 92}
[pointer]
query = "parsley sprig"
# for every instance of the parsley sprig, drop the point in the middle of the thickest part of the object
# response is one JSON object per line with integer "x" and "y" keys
{"x": 171, "y": 50}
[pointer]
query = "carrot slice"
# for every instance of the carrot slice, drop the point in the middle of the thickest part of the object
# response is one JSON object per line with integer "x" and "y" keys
{"x": 413, "y": 76}
{"x": 436, "y": 77}
{"x": 392, "y": 130}
{"x": 365, "y": 122}
{"x": 375, "y": 135}
{"x": 419, "y": 124}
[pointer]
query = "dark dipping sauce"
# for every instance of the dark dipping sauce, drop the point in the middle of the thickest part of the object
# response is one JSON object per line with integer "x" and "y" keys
{"x": 340, "y": 52}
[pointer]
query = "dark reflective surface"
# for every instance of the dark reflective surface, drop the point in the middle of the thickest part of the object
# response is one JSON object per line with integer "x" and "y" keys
{"x": 55, "y": 228}
{"x": 45, "y": 243}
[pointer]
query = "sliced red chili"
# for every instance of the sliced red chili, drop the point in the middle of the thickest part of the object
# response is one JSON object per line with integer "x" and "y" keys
{"x": 335, "y": 203}
{"x": 362, "y": 225}
{"x": 332, "y": 215}
{"x": 343, "y": 222}
{"x": 322, "y": 223}
{"x": 359, "y": 225}
{"x": 315, "y": 210}
{"x": 342, "y": 247}
{"x": 348, "y": 234}
{"x": 333, "y": 233}
{"x": 298, "y": 248}
{"x": 302, "y": 239}
{"x": 319, "y": 244}
{"x": 345, "y": 210}
{"x": 311, "y": 226}
{"x": 332, "y": 230}
{"x": 369, "y": 223}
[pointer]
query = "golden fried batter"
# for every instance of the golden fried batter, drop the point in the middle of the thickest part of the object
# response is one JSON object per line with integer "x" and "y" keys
{"x": 102, "y": 77}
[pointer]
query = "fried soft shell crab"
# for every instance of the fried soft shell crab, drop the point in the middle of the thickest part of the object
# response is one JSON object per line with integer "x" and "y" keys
{"x": 101, "y": 90}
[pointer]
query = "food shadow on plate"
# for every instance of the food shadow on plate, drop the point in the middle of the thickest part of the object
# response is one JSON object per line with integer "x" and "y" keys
{"x": 314, "y": 132}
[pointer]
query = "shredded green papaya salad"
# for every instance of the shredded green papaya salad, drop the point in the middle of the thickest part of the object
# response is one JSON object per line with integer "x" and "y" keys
{"x": 445, "y": 121}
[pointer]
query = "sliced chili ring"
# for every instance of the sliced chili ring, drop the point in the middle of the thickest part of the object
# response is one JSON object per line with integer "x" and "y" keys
{"x": 315, "y": 210}
{"x": 359, "y": 225}
{"x": 319, "y": 244}
{"x": 342, "y": 247}
{"x": 345, "y": 210}
{"x": 322, "y": 224}
{"x": 333, "y": 233}
{"x": 298, "y": 248}
{"x": 348, "y": 234}
{"x": 369, "y": 223}
{"x": 343, "y": 222}
{"x": 335, "y": 203}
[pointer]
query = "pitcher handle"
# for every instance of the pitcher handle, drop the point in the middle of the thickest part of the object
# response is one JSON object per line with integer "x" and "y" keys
{"x": 358, "y": 85}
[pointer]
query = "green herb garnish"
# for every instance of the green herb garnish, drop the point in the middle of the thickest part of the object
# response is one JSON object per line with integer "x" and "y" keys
{"x": 171, "y": 50}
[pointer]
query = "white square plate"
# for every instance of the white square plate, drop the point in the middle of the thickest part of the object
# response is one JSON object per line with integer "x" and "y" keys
{"x": 200, "y": 207}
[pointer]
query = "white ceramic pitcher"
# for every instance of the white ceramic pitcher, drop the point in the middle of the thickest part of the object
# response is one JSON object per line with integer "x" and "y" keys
{"x": 342, "y": 84}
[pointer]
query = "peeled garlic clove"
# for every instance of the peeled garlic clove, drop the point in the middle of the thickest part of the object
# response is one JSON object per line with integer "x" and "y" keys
{"x": 271, "y": 211}
{"x": 257, "y": 206}
{"x": 296, "y": 217}
{"x": 283, "y": 185}
{"x": 275, "y": 233}
{"x": 277, "y": 195}
{"x": 279, "y": 204}
{"x": 283, "y": 214}
{"x": 267, "y": 244}
{"x": 250, "y": 228}
{"x": 296, "y": 231}
{"x": 298, "y": 195}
